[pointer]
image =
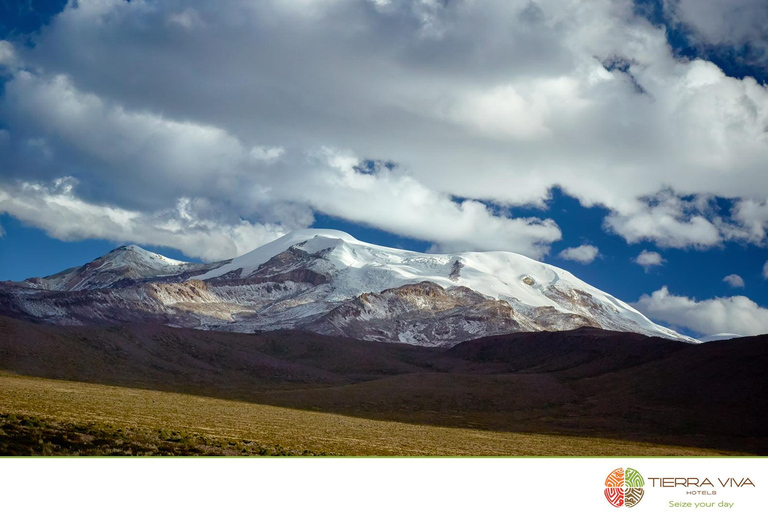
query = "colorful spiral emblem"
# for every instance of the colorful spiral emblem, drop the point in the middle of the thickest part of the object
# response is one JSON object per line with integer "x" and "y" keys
{"x": 624, "y": 488}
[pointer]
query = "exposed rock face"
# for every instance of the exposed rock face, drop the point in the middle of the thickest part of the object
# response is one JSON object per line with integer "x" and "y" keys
{"x": 420, "y": 314}
{"x": 328, "y": 283}
{"x": 456, "y": 270}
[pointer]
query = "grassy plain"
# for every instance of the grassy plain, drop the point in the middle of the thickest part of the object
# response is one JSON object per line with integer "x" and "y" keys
{"x": 45, "y": 416}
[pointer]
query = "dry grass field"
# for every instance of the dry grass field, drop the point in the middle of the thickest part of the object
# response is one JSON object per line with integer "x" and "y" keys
{"x": 36, "y": 414}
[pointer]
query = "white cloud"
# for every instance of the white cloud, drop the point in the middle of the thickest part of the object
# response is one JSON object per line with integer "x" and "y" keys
{"x": 7, "y": 54}
{"x": 187, "y": 19}
{"x": 493, "y": 101}
{"x": 388, "y": 200}
{"x": 648, "y": 259}
{"x": 724, "y": 22}
{"x": 583, "y": 254}
{"x": 266, "y": 154}
{"x": 737, "y": 314}
{"x": 62, "y": 215}
{"x": 666, "y": 220}
{"x": 154, "y": 160}
{"x": 398, "y": 203}
{"x": 145, "y": 156}
{"x": 501, "y": 113}
{"x": 749, "y": 221}
{"x": 734, "y": 280}
{"x": 765, "y": 270}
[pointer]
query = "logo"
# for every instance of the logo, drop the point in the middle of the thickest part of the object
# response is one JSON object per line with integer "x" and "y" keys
{"x": 624, "y": 488}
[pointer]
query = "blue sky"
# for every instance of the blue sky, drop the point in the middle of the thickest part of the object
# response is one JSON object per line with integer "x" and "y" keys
{"x": 529, "y": 139}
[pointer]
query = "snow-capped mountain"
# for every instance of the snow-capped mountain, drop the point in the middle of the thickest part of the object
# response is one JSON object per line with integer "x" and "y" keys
{"x": 326, "y": 281}
{"x": 125, "y": 264}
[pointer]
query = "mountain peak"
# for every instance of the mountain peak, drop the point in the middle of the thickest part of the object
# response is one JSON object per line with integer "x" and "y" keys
{"x": 249, "y": 262}
{"x": 310, "y": 233}
{"x": 125, "y": 262}
{"x": 135, "y": 255}
{"x": 130, "y": 247}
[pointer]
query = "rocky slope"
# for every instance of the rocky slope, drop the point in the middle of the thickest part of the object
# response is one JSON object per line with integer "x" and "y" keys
{"x": 328, "y": 282}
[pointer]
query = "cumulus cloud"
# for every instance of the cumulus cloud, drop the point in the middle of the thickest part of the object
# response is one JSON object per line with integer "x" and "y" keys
{"x": 737, "y": 314}
{"x": 199, "y": 228}
{"x": 395, "y": 201}
{"x": 584, "y": 253}
{"x": 57, "y": 210}
{"x": 765, "y": 270}
{"x": 648, "y": 259}
{"x": 733, "y": 23}
{"x": 667, "y": 220}
{"x": 734, "y": 280}
{"x": 494, "y": 102}
{"x": 154, "y": 160}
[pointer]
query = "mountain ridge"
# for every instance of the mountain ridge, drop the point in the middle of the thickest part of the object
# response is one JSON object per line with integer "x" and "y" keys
{"x": 326, "y": 281}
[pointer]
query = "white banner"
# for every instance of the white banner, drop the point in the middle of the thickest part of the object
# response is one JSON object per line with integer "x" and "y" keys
{"x": 514, "y": 484}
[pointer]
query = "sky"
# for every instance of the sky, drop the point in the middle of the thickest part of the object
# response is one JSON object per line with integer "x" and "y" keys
{"x": 624, "y": 141}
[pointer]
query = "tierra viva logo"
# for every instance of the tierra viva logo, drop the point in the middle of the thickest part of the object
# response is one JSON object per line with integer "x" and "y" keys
{"x": 624, "y": 488}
